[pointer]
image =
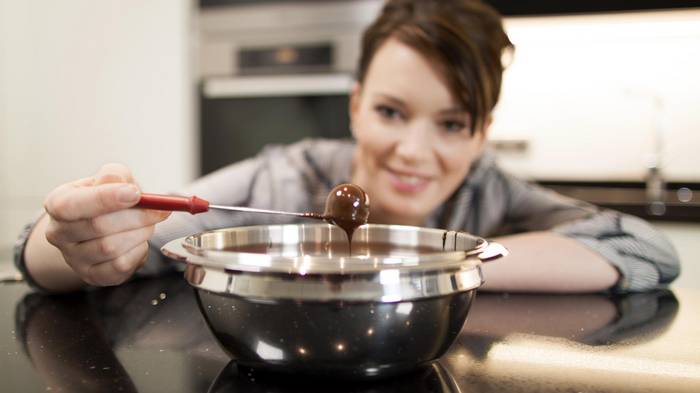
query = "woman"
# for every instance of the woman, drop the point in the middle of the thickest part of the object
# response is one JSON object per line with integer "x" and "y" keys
{"x": 429, "y": 77}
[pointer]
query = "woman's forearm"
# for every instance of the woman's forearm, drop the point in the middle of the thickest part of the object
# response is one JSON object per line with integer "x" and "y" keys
{"x": 548, "y": 262}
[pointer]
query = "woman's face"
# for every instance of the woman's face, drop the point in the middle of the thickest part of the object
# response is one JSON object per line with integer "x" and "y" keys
{"x": 414, "y": 146}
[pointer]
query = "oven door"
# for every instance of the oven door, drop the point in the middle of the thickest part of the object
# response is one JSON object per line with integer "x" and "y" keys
{"x": 240, "y": 115}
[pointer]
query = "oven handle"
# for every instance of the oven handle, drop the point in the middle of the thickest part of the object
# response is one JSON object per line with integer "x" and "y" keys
{"x": 277, "y": 85}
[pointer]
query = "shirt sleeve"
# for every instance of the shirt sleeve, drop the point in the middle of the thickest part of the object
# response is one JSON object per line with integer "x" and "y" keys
{"x": 644, "y": 257}
{"x": 18, "y": 255}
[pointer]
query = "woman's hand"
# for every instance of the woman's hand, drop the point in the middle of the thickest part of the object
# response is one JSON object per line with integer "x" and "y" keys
{"x": 91, "y": 223}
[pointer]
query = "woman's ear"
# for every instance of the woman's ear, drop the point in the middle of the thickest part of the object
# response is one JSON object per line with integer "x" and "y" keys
{"x": 354, "y": 104}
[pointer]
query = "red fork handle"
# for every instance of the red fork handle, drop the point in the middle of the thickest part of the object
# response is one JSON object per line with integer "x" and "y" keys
{"x": 191, "y": 204}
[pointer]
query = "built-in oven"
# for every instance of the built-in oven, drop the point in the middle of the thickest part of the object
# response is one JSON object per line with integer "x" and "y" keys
{"x": 240, "y": 115}
{"x": 276, "y": 74}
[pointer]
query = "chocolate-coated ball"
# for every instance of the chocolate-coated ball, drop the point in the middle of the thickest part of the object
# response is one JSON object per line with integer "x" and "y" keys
{"x": 347, "y": 206}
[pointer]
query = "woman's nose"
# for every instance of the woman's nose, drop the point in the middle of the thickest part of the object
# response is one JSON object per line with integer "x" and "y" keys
{"x": 415, "y": 144}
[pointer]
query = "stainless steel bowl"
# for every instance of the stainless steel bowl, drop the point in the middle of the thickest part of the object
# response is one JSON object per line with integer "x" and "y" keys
{"x": 289, "y": 297}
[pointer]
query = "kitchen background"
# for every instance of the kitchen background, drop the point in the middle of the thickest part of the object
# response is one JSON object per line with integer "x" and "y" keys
{"x": 600, "y": 100}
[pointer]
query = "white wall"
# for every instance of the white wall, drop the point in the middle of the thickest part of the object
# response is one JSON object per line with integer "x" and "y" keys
{"x": 581, "y": 90}
{"x": 86, "y": 82}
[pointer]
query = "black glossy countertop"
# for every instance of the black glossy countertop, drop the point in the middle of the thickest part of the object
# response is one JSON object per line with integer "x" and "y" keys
{"x": 148, "y": 336}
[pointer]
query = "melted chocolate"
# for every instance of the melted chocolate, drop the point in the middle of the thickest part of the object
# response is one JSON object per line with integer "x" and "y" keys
{"x": 334, "y": 249}
{"x": 347, "y": 206}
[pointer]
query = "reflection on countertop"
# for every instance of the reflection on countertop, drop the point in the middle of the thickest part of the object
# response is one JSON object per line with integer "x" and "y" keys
{"x": 149, "y": 336}
{"x": 536, "y": 343}
{"x": 432, "y": 378}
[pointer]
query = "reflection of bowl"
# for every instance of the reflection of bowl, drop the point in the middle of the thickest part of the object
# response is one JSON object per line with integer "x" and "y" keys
{"x": 433, "y": 378}
{"x": 290, "y": 298}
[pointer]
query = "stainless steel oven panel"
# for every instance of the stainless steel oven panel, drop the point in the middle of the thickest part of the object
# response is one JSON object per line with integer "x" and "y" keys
{"x": 224, "y": 31}
{"x": 278, "y": 86}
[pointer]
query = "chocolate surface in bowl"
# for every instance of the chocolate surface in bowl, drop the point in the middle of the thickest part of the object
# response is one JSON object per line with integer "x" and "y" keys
{"x": 335, "y": 249}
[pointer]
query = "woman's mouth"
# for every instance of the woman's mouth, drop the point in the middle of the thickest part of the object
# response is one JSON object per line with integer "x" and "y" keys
{"x": 407, "y": 183}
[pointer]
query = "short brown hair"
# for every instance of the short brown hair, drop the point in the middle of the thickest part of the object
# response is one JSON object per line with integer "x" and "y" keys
{"x": 465, "y": 37}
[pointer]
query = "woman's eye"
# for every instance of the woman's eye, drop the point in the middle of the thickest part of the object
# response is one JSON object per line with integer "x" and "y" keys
{"x": 388, "y": 112}
{"x": 453, "y": 126}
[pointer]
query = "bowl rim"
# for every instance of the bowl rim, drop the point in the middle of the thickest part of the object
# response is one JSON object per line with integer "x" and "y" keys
{"x": 187, "y": 250}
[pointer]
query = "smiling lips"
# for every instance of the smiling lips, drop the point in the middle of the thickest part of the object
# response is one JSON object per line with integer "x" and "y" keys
{"x": 407, "y": 183}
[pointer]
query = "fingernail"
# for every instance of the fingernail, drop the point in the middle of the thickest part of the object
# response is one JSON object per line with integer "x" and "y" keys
{"x": 128, "y": 194}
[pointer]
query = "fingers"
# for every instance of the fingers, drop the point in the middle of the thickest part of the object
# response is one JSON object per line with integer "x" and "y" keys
{"x": 70, "y": 202}
{"x": 106, "y": 248}
{"x": 85, "y": 182}
{"x": 104, "y": 225}
{"x": 91, "y": 222}
{"x": 112, "y": 188}
{"x": 118, "y": 270}
{"x": 114, "y": 173}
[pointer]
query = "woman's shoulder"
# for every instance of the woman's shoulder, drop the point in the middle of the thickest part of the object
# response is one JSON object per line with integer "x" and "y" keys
{"x": 326, "y": 160}
{"x": 321, "y": 149}
{"x": 486, "y": 173}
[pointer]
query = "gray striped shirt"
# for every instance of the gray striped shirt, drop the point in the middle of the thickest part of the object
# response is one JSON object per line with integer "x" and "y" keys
{"x": 489, "y": 203}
